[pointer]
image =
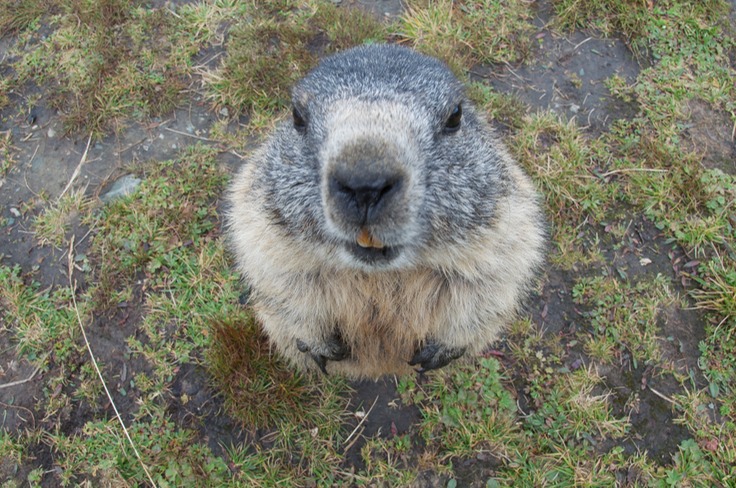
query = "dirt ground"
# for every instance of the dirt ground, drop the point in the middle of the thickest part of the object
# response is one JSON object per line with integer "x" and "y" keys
{"x": 566, "y": 76}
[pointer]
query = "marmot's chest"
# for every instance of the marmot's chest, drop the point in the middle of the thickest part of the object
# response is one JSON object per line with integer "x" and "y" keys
{"x": 387, "y": 317}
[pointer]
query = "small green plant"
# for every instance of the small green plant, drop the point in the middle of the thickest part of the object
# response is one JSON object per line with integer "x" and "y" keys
{"x": 571, "y": 172}
{"x": 500, "y": 107}
{"x": 628, "y": 18}
{"x": 170, "y": 208}
{"x": 468, "y": 410}
{"x": 6, "y": 155}
{"x": 11, "y": 449}
{"x": 15, "y": 16}
{"x": 623, "y": 317}
{"x": 569, "y": 409}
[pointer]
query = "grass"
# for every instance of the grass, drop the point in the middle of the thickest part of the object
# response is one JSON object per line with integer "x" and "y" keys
{"x": 42, "y": 320}
{"x": 204, "y": 400}
{"x": 624, "y": 317}
{"x": 55, "y": 222}
{"x": 255, "y": 77}
{"x": 111, "y": 61}
{"x": 465, "y": 33}
{"x": 258, "y": 389}
{"x": 6, "y": 156}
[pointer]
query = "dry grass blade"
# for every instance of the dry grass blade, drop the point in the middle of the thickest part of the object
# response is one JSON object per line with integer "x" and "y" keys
{"x": 20, "y": 382}
{"x": 77, "y": 170}
{"x": 348, "y": 442}
{"x": 72, "y": 285}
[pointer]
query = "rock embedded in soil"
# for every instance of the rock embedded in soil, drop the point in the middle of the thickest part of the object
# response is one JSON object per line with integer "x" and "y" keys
{"x": 123, "y": 187}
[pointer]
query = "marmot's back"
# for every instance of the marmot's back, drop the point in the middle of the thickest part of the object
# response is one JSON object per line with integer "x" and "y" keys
{"x": 383, "y": 224}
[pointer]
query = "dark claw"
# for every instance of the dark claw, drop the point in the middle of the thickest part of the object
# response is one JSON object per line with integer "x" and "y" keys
{"x": 302, "y": 346}
{"x": 321, "y": 362}
{"x": 434, "y": 356}
{"x": 331, "y": 350}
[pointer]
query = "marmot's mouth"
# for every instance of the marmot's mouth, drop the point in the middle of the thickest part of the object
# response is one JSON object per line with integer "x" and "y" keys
{"x": 366, "y": 240}
{"x": 374, "y": 255}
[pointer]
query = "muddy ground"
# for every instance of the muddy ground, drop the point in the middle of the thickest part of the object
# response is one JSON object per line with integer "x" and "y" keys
{"x": 566, "y": 75}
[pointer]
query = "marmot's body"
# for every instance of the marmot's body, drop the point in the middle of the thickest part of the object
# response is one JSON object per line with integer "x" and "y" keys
{"x": 384, "y": 225}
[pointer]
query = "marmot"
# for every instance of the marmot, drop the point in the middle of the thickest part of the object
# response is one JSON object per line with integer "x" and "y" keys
{"x": 383, "y": 226}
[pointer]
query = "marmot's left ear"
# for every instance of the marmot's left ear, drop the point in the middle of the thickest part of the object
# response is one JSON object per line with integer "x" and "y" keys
{"x": 299, "y": 96}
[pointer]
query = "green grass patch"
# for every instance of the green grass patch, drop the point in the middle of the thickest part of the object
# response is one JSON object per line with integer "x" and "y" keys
{"x": 17, "y": 15}
{"x": 108, "y": 61}
{"x": 567, "y": 166}
{"x": 465, "y": 33}
{"x": 53, "y": 224}
{"x": 469, "y": 412}
{"x": 573, "y": 173}
{"x": 99, "y": 455}
{"x": 6, "y": 149}
{"x": 501, "y": 108}
{"x": 466, "y": 411}
{"x": 632, "y": 19}
{"x": 170, "y": 213}
{"x": 273, "y": 46}
{"x": 43, "y": 323}
{"x": 623, "y": 317}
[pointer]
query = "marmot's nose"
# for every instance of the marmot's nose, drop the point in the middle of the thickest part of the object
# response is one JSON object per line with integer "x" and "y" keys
{"x": 364, "y": 197}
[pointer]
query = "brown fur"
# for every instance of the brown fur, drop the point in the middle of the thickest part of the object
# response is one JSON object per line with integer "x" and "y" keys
{"x": 465, "y": 298}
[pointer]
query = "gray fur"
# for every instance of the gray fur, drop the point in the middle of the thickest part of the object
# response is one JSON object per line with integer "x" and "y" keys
{"x": 453, "y": 228}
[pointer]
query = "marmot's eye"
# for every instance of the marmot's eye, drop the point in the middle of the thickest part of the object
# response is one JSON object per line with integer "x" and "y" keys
{"x": 453, "y": 121}
{"x": 300, "y": 123}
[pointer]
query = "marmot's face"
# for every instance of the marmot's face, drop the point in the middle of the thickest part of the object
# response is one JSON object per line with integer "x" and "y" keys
{"x": 370, "y": 181}
{"x": 384, "y": 162}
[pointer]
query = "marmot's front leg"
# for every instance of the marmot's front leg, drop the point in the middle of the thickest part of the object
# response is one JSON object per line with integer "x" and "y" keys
{"x": 435, "y": 355}
{"x": 332, "y": 349}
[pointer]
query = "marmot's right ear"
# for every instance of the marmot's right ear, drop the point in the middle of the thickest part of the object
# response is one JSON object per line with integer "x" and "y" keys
{"x": 300, "y": 122}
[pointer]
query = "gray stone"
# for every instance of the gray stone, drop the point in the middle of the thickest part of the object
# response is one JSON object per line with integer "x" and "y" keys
{"x": 124, "y": 186}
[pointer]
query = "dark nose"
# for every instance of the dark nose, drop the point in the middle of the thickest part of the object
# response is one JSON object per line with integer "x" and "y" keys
{"x": 363, "y": 197}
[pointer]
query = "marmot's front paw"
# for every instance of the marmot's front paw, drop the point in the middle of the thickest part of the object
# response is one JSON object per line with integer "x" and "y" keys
{"x": 333, "y": 349}
{"x": 434, "y": 355}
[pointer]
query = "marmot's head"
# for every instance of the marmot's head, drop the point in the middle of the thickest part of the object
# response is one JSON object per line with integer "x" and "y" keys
{"x": 384, "y": 159}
